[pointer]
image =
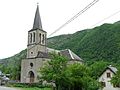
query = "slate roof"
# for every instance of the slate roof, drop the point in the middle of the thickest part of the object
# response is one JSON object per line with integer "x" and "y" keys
{"x": 37, "y": 20}
{"x": 111, "y": 68}
{"x": 70, "y": 55}
{"x": 67, "y": 53}
{"x": 43, "y": 55}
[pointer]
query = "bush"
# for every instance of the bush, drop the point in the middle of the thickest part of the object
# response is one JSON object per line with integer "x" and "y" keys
{"x": 25, "y": 85}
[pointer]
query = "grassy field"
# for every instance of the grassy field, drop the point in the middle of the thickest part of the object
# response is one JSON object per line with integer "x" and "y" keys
{"x": 35, "y": 88}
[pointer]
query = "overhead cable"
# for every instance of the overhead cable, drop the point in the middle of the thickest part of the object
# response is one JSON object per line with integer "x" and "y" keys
{"x": 75, "y": 16}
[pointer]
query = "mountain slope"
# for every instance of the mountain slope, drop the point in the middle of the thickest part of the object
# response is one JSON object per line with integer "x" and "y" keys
{"x": 12, "y": 65}
{"x": 101, "y": 43}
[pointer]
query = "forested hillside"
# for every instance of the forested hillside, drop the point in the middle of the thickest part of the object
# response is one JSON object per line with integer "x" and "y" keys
{"x": 101, "y": 43}
{"x": 12, "y": 65}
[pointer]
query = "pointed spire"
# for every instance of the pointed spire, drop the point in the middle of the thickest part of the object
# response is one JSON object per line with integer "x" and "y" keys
{"x": 37, "y": 20}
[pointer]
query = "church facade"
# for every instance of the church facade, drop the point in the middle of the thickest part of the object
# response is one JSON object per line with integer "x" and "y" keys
{"x": 37, "y": 52}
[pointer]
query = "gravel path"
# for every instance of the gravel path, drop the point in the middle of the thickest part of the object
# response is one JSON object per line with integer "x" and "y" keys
{"x": 7, "y": 88}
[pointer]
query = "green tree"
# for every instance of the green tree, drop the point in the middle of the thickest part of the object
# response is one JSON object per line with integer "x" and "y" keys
{"x": 97, "y": 68}
{"x": 54, "y": 70}
{"x": 68, "y": 76}
{"x": 116, "y": 79}
{"x": 79, "y": 76}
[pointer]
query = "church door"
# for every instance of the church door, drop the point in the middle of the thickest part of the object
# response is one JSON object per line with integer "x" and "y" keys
{"x": 31, "y": 77}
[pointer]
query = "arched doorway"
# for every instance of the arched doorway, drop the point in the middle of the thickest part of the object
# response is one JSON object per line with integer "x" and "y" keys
{"x": 31, "y": 76}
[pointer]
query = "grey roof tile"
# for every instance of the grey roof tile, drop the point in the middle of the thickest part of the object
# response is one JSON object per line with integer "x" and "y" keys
{"x": 113, "y": 69}
{"x": 67, "y": 53}
{"x": 70, "y": 55}
{"x": 43, "y": 55}
{"x": 37, "y": 20}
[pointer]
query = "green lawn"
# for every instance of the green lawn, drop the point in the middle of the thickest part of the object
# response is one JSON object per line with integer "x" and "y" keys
{"x": 35, "y": 88}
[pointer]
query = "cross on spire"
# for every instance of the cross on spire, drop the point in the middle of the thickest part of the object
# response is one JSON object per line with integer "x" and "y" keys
{"x": 38, "y": 3}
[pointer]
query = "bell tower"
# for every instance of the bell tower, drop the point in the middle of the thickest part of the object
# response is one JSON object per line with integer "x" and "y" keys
{"x": 36, "y": 37}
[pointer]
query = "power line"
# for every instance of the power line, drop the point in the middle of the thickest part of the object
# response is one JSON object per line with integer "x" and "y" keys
{"x": 106, "y": 18}
{"x": 103, "y": 19}
{"x": 74, "y": 17}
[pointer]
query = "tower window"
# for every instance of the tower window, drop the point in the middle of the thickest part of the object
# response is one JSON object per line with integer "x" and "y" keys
{"x": 34, "y": 37}
{"x": 31, "y": 64}
{"x": 31, "y": 52}
{"x": 40, "y": 37}
{"x": 43, "y": 38}
{"x": 30, "y": 37}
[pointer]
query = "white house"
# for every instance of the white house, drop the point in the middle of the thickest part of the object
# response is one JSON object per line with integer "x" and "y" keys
{"x": 105, "y": 78}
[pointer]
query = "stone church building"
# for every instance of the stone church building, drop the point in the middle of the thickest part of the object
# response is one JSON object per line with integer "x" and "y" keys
{"x": 37, "y": 52}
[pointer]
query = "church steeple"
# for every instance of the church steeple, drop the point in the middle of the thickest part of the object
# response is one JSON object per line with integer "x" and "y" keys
{"x": 36, "y": 37}
{"x": 37, "y": 20}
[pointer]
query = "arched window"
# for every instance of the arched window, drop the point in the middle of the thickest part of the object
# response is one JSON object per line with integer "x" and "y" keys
{"x": 30, "y": 37}
{"x": 33, "y": 36}
{"x": 40, "y": 37}
{"x": 43, "y": 38}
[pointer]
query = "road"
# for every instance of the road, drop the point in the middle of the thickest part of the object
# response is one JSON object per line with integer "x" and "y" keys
{"x": 7, "y": 88}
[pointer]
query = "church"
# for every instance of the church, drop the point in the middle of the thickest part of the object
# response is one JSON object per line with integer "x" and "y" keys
{"x": 38, "y": 52}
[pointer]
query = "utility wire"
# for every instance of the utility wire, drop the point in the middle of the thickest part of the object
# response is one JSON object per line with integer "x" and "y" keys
{"x": 106, "y": 18}
{"x": 92, "y": 25}
{"x": 74, "y": 17}
{"x": 102, "y": 20}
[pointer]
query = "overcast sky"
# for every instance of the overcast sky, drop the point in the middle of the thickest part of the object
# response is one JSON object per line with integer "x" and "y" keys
{"x": 16, "y": 19}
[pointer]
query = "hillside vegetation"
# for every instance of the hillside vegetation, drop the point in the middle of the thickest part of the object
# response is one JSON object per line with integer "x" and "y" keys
{"x": 12, "y": 65}
{"x": 101, "y": 43}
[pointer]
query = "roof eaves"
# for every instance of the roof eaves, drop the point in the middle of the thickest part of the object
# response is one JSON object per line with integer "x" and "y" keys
{"x": 71, "y": 54}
